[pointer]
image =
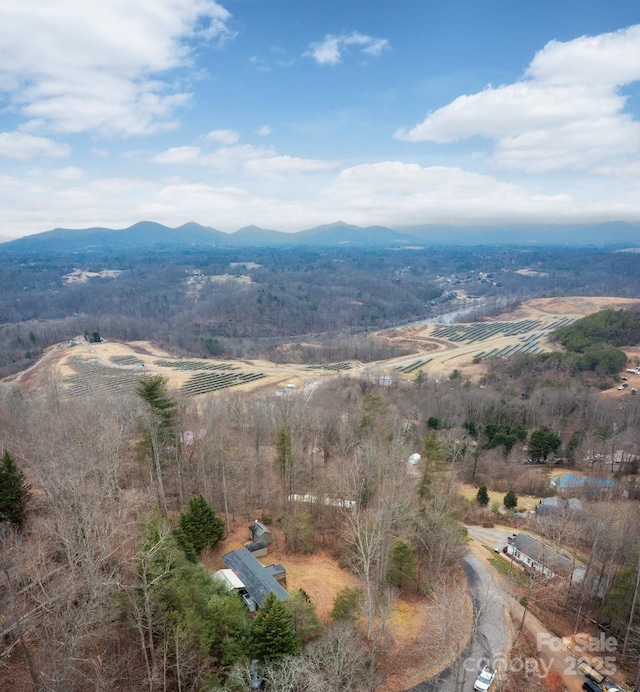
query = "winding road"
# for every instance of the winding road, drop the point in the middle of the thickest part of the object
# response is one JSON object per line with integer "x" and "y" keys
{"x": 488, "y": 638}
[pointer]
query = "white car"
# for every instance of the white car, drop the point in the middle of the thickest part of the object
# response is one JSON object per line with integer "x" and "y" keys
{"x": 484, "y": 679}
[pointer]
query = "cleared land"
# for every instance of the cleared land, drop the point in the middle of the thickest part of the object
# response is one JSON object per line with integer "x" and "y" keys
{"x": 439, "y": 348}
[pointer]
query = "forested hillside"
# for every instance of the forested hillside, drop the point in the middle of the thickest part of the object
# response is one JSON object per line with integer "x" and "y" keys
{"x": 248, "y": 301}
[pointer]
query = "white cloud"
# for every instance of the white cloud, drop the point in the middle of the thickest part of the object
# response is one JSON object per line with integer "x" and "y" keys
{"x": 264, "y": 131}
{"x": 390, "y": 193}
{"x": 255, "y": 162}
{"x": 279, "y": 167}
{"x": 330, "y": 50}
{"x": 396, "y": 193}
{"x": 22, "y": 146}
{"x": 179, "y": 156}
{"x": 98, "y": 66}
{"x": 566, "y": 113}
{"x": 223, "y": 136}
{"x": 69, "y": 173}
{"x": 224, "y": 158}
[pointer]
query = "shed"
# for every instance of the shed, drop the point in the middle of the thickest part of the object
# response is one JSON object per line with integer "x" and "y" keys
{"x": 257, "y": 548}
{"x": 259, "y": 532}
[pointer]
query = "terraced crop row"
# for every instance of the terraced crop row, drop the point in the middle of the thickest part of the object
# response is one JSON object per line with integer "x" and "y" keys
{"x": 193, "y": 365}
{"x": 207, "y": 382}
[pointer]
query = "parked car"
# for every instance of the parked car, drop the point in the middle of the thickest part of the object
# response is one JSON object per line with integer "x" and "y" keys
{"x": 590, "y": 686}
{"x": 484, "y": 680}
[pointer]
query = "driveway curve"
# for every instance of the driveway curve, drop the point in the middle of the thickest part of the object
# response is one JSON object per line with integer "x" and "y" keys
{"x": 488, "y": 638}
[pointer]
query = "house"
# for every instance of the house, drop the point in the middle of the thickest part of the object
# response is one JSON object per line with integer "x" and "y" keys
{"x": 259, "y": 532}
{"x": 559, "y": 506}
{"x": 572, "y": 480}
{"x": 542, "y": 558}
{"x": 251, "y": 579}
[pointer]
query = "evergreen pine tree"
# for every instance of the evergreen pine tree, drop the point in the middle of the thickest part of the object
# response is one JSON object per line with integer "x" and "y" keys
{"x": 402, "y": 564}
{"x": 482, "y": 496}
{"x": 510, "y": 500}
{"x": 273, "y": 633}
{"x": 306, "y": 622}
{"x": 14, "y": 491}
{"x": 198, "y": 528}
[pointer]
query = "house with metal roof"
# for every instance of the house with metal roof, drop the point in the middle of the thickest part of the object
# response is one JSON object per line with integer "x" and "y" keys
{"x": 256, "y": 579}
{"x": 559, "y": 506}
{"x": 543, "y": 558}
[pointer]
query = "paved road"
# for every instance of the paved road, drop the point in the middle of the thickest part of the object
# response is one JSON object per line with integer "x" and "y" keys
{"x": 489, "y": 636}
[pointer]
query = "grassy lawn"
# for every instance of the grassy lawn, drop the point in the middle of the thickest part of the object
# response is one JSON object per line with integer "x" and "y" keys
{"x": 503, "y": 565}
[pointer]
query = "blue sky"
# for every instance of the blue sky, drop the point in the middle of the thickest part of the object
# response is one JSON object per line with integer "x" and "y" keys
{"x": 288, "y": 114}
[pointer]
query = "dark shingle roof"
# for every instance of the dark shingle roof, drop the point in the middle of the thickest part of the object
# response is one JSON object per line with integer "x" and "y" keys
{"x": 254, "y": 576}
{"x": 544, "y": 554}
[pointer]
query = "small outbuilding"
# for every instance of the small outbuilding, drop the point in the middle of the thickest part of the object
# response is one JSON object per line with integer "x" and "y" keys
{"x": 257, "y": 548}
{"x": 259, "y": 532}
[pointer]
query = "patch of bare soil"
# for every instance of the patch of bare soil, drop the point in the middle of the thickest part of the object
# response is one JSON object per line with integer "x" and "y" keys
{"x": 578, "y": 305}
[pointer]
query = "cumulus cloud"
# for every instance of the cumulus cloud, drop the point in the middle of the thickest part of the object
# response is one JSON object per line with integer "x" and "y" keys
{"x": 223, "y": 136}
{"x": 22, "y": 146}
{"x": 102, "y": 66}
{"x": 264, "y": 131}
{"x": 69, "y": 173}
{"x": 223, "y": 158}
{"x": 179, "y": 156}
{"x": 390, "y": 193}
{"x": 566, "y": 113}
{"x": 330, "y": 50}
{"x": 397, "y": 193}
{"x": 279, "y": 167}
{"x": 255, "y": 162}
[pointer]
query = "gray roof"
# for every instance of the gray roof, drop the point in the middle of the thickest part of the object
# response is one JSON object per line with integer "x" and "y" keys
{"x": 558, "y": 505}
{"x": 544, "y": 554}
{"x": 554, "y": 501}
{"x": 254, "y": 576}
{"x": 258, "y": 529}
{"x": 275, "y": 570}
{"x": 258, "y": 545}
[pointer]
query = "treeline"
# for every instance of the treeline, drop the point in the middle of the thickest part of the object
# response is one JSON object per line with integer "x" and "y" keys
{"x": 603, "y": 328}
{"x": 591, "y": 345}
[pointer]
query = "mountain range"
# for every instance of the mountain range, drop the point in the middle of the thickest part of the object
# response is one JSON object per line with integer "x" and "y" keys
{"x": 150, "y": 235}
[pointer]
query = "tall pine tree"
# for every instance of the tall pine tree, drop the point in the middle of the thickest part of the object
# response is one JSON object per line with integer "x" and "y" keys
{"x": 14, "y": 491}
{"x": 274, "y": 635}
{"x": 198, "y": 528}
